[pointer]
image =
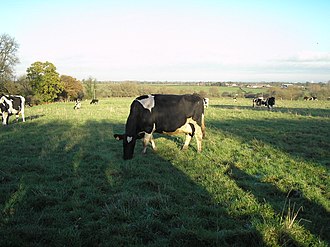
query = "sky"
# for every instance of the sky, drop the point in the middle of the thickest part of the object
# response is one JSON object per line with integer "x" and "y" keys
{"x": 173, "y": 40}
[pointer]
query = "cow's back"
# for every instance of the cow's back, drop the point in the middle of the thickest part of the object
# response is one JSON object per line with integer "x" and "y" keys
{"x": 17, "y": 101}
{"x": 172, "y": 111}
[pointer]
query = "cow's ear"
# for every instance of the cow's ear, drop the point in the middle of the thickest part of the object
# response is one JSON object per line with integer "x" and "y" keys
{"x": 118, "y": 137}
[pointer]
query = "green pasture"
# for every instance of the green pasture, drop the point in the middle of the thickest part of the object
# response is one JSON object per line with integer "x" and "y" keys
{"x": 262, "y": 179}
{"x": 127, "y": 89}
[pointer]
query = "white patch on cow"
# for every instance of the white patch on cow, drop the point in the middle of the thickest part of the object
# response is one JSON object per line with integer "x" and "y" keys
{"x": 148, "y": 138}
{"x": 148, "y": 103}
{"x": 186, "y": 129}
{"x": 129, "y": 139}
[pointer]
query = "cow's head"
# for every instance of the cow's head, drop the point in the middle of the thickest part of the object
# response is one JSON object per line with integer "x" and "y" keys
{"x": 128, "y": 144}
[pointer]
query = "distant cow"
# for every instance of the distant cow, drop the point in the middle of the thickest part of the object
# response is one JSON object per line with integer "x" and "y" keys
{"x": 310, "y": 98}
{"x": 160, "y": 113}
{"x": 269, "y": 102}
{"x": 77, "y": 104}
{"x": 258, "y": 101}
{"x": 206, "y": 102}
{"x": 94, "y": 101}
{"x": 11, "y": 105}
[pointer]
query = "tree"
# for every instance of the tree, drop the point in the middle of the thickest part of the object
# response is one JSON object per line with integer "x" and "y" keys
{"x": 8, "y": 59}
{"x": 45, "y": 81}
{"x": 73, "y": 88}
{"x": 90, "y": 87}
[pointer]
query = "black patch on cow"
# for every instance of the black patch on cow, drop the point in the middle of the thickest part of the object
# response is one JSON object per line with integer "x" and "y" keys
{"x": 192, "y": 130}
{"x": 270, "y": 102}
{"x": 172, "y": 111}
{"x": 17, "y": 102}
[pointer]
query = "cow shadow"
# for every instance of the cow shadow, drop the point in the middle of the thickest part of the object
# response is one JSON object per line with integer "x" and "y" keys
{"x": 34, "y": 117}
{"x": 12, "y": 119}
{"x": 66, "y": 184}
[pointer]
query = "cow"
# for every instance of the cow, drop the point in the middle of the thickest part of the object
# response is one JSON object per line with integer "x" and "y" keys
{"x": 11, "y": 105}
{"x": 269, "y": 102}
{"x": 163, "y": 113}
{"x": 94, "y": 101}
{"x": 206, "y": 102}
{"x": 258, "y": 101}
{"x": 77, "y": 104}
{"x": 310, "y": 98}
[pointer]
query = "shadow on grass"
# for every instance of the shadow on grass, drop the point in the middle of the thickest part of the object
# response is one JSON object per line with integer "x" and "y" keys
{"x": 66, "y": 184}
{"x": 285, "y": 204}
{"x": 304, "y": 141}
{"x": 307, "y": 139}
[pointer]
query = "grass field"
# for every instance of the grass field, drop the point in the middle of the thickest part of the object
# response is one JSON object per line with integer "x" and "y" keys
{"x": 262, "y": 179}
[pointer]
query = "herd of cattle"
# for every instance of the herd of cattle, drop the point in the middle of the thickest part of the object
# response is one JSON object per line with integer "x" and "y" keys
{"x": 155, "y": 113}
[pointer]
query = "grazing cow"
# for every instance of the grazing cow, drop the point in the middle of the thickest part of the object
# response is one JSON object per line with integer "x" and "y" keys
{"x": 11, "y": 105}
{"x": 269, "y": 102}
{"x": 258, "y": 101}
{"x": 94, "y": 101}
{"x": 160, "y": 113}
{"x": 206, "y": 102}
{"x": 310, "y": 98}
{"x": 77, "y": 104}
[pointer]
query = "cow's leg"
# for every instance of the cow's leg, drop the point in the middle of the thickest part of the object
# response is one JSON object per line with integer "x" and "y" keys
{"x": 5, "y": 118}
{"x": 189, "y": 130}
{"x": 153, "y": 144}
{"x": 187, "y": 141}
{"x": 199, "y": 137}
{"x": 147, "y": 138}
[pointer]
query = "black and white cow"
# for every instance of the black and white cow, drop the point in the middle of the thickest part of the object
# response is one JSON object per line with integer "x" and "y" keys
{"x": 258, "y": 101}
{"x": 11, "y": 105}
{"x": 310, "y": 98}
{"x": 269, "y": 102}
{"x": 77, "y": 104}
{"x": 161, "y": 113}
{"x": 94, "y": 101}
{"x": 206, "y": 102}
